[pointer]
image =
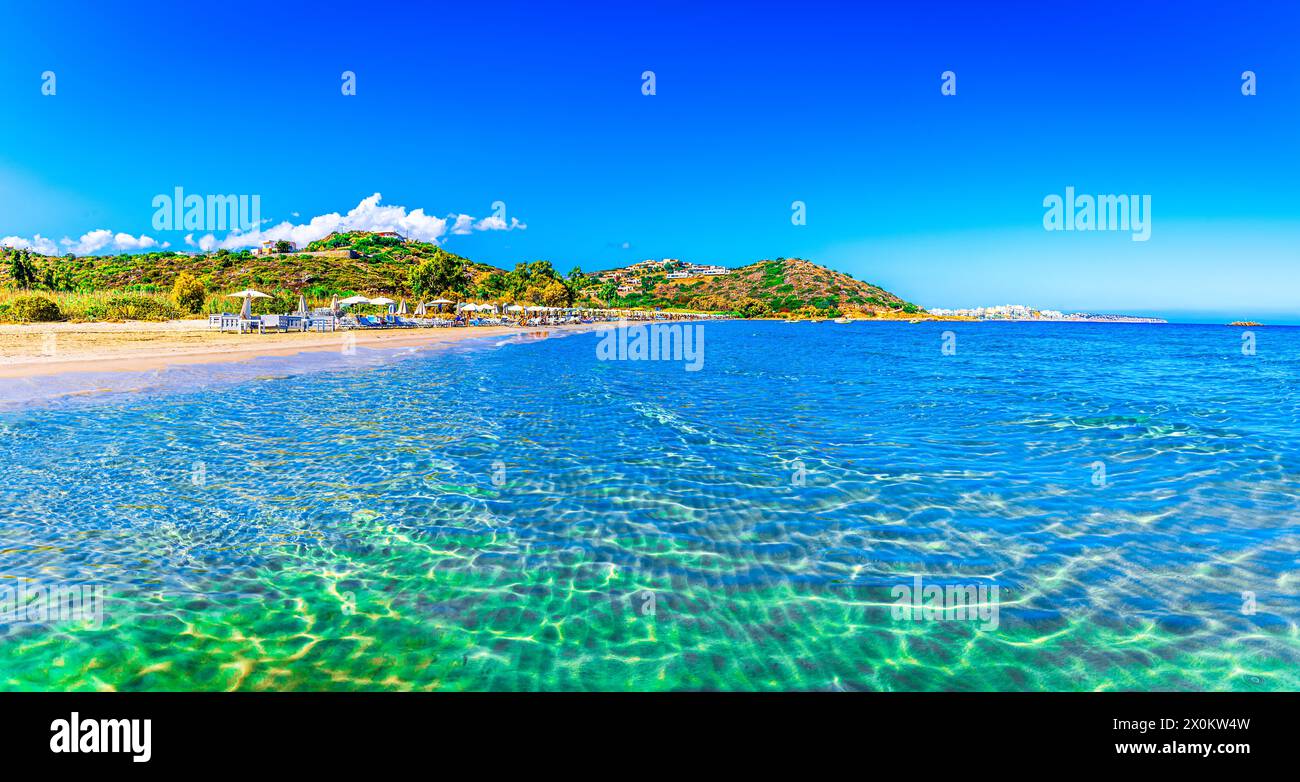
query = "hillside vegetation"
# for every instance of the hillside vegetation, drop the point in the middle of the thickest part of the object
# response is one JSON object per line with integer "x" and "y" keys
{"x": 167, "y": 284}
{"x": 781, "y": 286}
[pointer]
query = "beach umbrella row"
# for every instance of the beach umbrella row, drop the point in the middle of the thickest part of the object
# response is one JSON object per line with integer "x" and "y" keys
{"x": 335, "y": 302}
{"x": 249, "y": 294}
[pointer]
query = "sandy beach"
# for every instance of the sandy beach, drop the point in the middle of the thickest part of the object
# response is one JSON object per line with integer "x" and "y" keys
{"x": 33, "y": 350}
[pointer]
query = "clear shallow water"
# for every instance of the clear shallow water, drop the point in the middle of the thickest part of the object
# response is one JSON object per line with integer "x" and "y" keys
{"x": 519, "y": 515}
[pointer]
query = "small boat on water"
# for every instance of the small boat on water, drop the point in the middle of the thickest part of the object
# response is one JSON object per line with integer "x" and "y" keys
{"x": 843, "y": 320}
{"x": 914, "y": 320}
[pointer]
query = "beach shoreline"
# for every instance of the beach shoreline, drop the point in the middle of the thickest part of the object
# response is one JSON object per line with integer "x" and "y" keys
{"x": 46, "y": 349}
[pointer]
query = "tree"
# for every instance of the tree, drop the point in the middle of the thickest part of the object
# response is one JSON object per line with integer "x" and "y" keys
{"x": 493, "y": 286}
{"x": 556, "y": 294}
{"x": 283, "y": 247}
{"x": 442, "y": 272}
{"x": 752, "y": 308}
{"x": 21, "y": 269}
{"x": 188, "y": 293}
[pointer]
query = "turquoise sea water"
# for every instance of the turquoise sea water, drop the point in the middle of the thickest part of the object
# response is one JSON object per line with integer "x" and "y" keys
{"x": 515, "y": 514}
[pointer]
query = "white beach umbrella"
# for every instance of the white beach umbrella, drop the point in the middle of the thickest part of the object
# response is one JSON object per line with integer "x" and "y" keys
{"x": 302, "y": 304}
{"x": 514, "y": 308}
{"x": 247, "y": 295}
{"x": 382, "y": 301}
{"x": 349, "y": 301}
{"x": 420, "y": 310}
{"x": 334, "y": 303}
{"x": 401, "y": 308}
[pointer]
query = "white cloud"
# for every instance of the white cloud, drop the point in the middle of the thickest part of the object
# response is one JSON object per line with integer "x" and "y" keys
{"x": 37, "y": 244}
{"x": 129, "y": 242}
{"x": 104, "y": 239}
{"x": 369, "y": 215}
{"x": 498, "y": 223}
{"x": 464, "y": 224}
{"x": 90, "y": 242}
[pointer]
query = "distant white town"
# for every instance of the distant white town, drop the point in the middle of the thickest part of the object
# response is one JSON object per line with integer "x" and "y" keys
{"x": 1025, "y": 312}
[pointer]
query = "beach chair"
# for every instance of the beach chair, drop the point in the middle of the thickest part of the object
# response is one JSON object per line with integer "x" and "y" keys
{"x": 323, "y": 323}
{"x": 235, "y": 323}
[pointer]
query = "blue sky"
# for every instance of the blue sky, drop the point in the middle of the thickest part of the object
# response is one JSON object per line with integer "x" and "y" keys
{"x": 936, "y": 198}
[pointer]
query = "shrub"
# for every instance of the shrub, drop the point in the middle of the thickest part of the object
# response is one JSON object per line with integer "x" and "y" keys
{"x": 34, "y": 309}
{"x": 752, "y": 308}
{"x": 188, "y": 293}
{"x": 280, "y": 302}
{"x": 137, "y": 308}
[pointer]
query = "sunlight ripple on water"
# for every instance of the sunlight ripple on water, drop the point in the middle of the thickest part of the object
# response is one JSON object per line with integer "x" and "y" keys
{"x": 518, "y": 515}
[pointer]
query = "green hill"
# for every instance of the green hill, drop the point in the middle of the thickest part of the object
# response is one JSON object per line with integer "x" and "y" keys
{"x": 341, "y": 263}
{"x": 360, "y": 262}
{"x": 784, "y": 285}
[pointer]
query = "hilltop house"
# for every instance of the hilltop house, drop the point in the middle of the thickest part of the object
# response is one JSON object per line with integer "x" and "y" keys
{"x": 268, "y": 247}
{"x": 696, "y": 270}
